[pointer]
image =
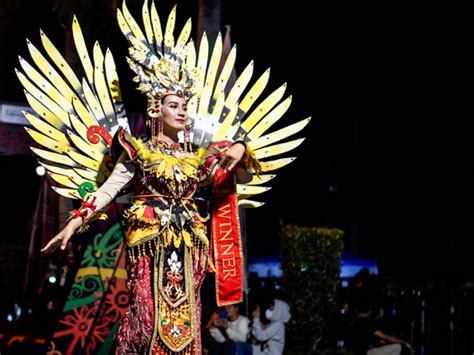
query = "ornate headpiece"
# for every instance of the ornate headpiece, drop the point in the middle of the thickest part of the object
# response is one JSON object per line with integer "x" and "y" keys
{"x": 159, "y": 62}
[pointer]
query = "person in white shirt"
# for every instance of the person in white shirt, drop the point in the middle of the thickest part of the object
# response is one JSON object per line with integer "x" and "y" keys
{"x": 230, "y": 331}
{"x": 273, "y": 334}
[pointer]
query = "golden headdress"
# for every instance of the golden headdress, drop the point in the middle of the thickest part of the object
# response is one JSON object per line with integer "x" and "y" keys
{"x": 159, "y": 63}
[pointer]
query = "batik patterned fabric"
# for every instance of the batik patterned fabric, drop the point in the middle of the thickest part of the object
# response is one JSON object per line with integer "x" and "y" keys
{"x": 167, "y": 249}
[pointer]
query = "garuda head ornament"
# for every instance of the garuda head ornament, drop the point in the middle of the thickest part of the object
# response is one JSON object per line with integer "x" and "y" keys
{"x": 160, "y": 63}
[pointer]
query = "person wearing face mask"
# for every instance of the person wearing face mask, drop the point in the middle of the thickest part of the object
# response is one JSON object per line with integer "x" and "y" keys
{"x": 273, "y": 333}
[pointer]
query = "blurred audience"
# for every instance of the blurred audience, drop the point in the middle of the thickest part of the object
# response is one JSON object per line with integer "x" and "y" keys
{"x": 270, "y": 336}
{"x": 230, "y": 331}
{"x": 364, "y": 336}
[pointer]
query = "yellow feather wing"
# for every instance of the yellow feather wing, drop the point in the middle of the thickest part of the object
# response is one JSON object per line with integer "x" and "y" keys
{"x": 47, "y": 142}
{"x": 277, "y": 149}
{"x": 261, "y": 179}
{"x": 67, "y": 192}
{"x": 70, "y": 173}
{"x": 242, "y": 109}
{"x": 278, "y": 135}
{"x": 169, "y": 38}
{"x": 156, "y": 23}
{"x": 249, "y": 203}
{"x": 63, "y": 180}
{"x": 44, "y": 126}
{"x": 70, "y": 111}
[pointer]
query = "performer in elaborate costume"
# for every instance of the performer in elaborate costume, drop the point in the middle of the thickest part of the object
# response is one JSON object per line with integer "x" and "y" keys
{"x": 167, "y": 238}
{"x": 167, "y": 241}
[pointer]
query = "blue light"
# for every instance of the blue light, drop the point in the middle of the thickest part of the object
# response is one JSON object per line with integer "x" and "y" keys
{"x": 266, "y": 267}
{"x": 269, "y": 267}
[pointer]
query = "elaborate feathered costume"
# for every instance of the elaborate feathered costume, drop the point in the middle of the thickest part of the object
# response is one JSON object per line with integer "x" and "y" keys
{"x": 167, "y": 237}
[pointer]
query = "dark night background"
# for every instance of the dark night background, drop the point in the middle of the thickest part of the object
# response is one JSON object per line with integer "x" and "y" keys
{"x": 389, "y": 87}
{"x": 388, "y": 153}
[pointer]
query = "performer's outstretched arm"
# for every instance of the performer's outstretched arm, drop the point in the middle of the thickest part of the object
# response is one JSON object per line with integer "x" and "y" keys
{"x": 121, "y": 175}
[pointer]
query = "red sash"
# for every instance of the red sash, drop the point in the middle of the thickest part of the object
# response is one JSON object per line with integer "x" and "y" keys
{"x": 226, "y": 240}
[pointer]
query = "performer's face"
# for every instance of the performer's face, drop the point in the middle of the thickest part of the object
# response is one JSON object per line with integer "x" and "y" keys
{"x": 175, "y": 114}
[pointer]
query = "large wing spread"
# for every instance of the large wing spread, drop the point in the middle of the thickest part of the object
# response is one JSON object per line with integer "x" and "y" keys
{"x": 223, "y": 110}
{"x": 76, "y": 116}
{"x": 242, "y": 112}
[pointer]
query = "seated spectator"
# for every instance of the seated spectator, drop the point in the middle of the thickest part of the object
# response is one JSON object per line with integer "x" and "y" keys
{"x": 272, "y": 335}
{"x": 230, "y": 330}
{"x": 365, "y": 338}
{"x": 364, "y": 288}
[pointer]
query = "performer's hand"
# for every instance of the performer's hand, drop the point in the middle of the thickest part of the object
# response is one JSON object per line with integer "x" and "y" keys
{"x": 62, "y": 237}
{"x": 232, "y": 156}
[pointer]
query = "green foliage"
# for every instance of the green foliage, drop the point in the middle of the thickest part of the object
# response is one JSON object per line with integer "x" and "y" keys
{"x": 311, "y": 260}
